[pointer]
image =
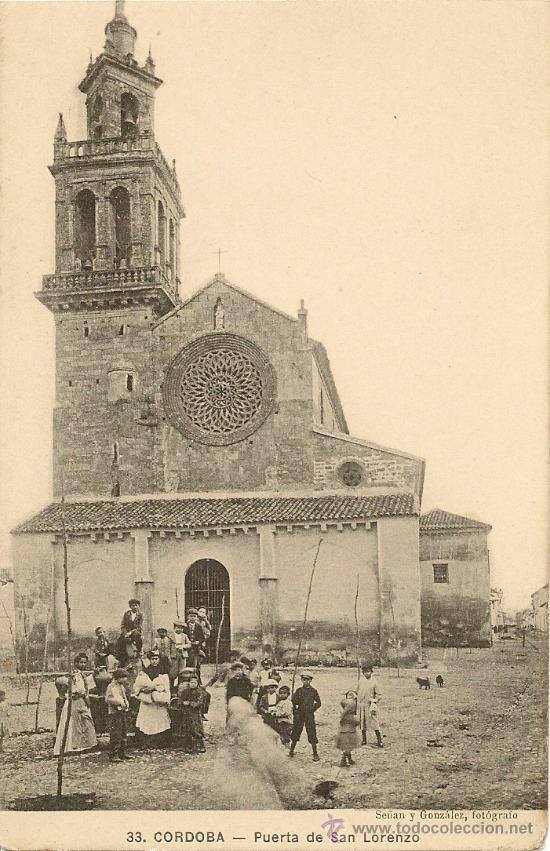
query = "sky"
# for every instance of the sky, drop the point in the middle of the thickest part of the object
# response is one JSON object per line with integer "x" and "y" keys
{"x": 386, "y": 162}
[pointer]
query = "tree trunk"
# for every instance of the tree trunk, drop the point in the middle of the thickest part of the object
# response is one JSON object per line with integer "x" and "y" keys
{"x": 69, "y": 648}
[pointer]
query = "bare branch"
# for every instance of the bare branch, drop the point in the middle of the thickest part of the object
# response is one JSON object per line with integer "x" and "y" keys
{"x": 305, "y": 615}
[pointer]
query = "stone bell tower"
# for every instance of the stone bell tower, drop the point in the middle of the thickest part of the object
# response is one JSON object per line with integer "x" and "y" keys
{"x": 118, "y": 203}
{"x": 117, "y": 254}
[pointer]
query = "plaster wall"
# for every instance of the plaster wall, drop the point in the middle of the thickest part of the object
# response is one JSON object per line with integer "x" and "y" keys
{"x": 399, "y": 577}
{"x": 457, "y": 611}
{"x": 171, "y": 557}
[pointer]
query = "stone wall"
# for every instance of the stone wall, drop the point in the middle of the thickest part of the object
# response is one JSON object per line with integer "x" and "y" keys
{"x": 457, "y": 611}
{"x": 382, "y": 467}
{"x": 278, "y": 454}
{"x": 88, "y": 421}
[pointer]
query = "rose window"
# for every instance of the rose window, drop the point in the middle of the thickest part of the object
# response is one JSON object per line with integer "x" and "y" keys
{"x": 219, "y": 389}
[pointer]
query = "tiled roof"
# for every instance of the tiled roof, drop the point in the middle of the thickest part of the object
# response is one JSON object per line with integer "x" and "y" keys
{"x": 204, "y": 513}
{"x": 438, "y": 520}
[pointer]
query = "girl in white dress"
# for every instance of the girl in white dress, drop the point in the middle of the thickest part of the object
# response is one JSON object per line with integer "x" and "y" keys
{"x": 152, "y": 689}
{"x": 81, "y": 735}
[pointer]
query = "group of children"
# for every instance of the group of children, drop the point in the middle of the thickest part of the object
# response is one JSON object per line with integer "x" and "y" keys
{"x": 161, "y": 711}
{"x": 288, "y": 714}
{"x": 184, "y": 647}
{"x": 161, "y": 692}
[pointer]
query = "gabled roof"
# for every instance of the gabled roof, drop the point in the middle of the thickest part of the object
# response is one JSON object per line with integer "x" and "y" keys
{"x": 197, "y": 513}
{"x": 438, "y": 520}
{"x": 319, "y": 351}
{"x": 221, "y": 279}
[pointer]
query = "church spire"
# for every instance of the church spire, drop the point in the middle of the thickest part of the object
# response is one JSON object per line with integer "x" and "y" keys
{"x": 60, "y": 132}
{"x": 119, "y": 11}
{"x": 121, "y": 36}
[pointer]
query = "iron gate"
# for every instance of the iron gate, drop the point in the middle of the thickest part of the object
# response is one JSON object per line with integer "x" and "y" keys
{"x": 207, "y": 584}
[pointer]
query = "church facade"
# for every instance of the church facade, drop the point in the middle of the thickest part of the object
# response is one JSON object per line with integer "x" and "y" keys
{"x": 200, "y": 445}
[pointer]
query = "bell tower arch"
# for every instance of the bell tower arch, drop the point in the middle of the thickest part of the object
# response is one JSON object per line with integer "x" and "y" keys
{"x": 110, "y": 187}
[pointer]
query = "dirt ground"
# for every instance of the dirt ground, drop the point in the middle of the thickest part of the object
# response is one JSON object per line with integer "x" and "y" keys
{"x": 479, "y": 742}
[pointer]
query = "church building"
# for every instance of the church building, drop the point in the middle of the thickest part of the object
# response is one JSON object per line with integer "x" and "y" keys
{"x": 199, "y": 441}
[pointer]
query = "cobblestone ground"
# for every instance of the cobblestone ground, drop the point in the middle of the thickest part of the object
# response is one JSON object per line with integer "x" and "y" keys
{"x": 480, "y": 742}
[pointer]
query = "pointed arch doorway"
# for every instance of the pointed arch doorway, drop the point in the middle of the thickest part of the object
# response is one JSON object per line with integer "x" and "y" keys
{"x": 207, "y": 584}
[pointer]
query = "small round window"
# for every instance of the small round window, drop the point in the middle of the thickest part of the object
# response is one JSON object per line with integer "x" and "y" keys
{"x": 351, "y": 474}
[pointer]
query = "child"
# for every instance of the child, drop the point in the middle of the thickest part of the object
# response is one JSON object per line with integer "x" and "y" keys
{"x": 204, "y": 622}
{"x": 283, "y": 715}
{"x": 268, "y": 702}
{"x": 4, "y": 719}
{"x": 264, "y": 676}
{"x": 238, "y": 684}
{"x": 179, "y": 650}
{"x": 163, "y": 643}
{"x": 117, "y": 701}
{"x": 191, "y": 701}
{"x": 306, "y": 702}
{"x": 102, "y": 648}
{"x": 368, "y": 695}
{"x": 348, "y": 735}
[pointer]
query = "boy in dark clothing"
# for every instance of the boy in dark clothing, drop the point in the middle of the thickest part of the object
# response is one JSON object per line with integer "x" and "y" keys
{"x": 197, "y": 639}
{"x": 238, "y": 684}
{"x": 117, "y": 703}
{"x": 190, "y": 701}
{"x": 305, "y": 702}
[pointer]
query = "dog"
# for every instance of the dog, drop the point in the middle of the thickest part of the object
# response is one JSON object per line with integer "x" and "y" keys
{"x": 423, "y": 682}
{"x": 439, "y": 680}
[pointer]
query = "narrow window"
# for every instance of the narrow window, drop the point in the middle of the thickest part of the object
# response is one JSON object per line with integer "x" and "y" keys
{"x": 219, "y": 315}
{"x": 70, "y": 383}
{"x": 129, "y": 382}
{"x": 96, "y": 117}
{"x": 161, "y": 232}
{"x": 85, "y": 228}
{"x": 441, "y": 573}
{"x": 129, "y": 112}
{"x": 120, "y": 204}
{"x": 121, "y": 331}
{"x": 86, "y": 331}
{"x": 322, "y": 406}
{"x": 115, "y": 473}
{"x": 97, "y": 381}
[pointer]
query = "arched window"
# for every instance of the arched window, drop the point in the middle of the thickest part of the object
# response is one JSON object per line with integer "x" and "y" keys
{"x": 172, "y": 248}
{"x": 161, "y": 232}
{"x": 85, "y": 228}
{"x": 120, "y": 203}
{"x": 129, "y": 114}
{"x": 97, "y": 111}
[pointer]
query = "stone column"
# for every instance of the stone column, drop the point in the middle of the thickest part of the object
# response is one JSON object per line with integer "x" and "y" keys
{"x": 135, "y": 225}
{"x": 268, "y": 589}
{"x": 104, "y": 229}
{"x": 144, "y": 583}
{"x": 399, "y": 588}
